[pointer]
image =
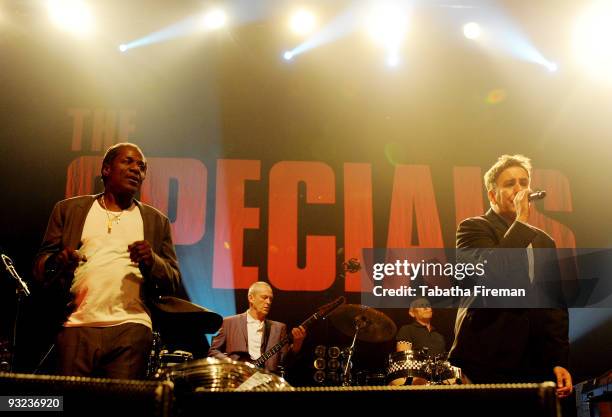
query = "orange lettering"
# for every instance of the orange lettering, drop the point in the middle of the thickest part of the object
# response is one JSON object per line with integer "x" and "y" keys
{"x": 319, "y": 271}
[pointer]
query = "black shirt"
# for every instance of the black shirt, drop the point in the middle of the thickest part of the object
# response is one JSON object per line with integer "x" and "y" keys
{"x": 420, "y": 337}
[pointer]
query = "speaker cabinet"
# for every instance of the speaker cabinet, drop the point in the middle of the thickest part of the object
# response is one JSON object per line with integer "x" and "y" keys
{"x": 97, "y": 396}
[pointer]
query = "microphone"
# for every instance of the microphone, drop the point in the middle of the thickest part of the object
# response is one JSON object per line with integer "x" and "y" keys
{"x": 10, "y": 268}
{"x": 352, "y": 265}
{"x": 538, "y": 195}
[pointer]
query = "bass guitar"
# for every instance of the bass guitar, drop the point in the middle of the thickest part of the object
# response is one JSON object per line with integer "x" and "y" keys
{"x": 320, "y": 313}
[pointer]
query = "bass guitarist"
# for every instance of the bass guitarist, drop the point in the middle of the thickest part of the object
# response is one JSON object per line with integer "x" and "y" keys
{"x": 249, "y": 335}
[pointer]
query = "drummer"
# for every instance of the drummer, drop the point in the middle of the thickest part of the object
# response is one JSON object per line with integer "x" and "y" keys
{"x": 419, "y": 336}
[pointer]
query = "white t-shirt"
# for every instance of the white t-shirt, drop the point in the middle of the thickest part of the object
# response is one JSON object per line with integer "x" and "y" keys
{"x": 106, "y": 288}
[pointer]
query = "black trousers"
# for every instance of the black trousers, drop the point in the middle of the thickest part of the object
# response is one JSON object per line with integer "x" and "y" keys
{"x": 109, "y": 352}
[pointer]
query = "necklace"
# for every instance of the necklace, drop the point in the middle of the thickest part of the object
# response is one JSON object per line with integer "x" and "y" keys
{"x": 110, "y": 217}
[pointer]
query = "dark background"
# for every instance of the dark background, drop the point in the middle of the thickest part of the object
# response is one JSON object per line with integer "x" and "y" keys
{"x": 230, "y": 95}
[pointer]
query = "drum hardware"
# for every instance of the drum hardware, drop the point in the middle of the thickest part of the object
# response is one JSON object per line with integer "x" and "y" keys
{"x": 360, "y": 323}
{"x": 180, "y": 322}
{"x": 376, "y": 327}
{"x": 327, "y": 368}
{"x": 363, "y": 323}
{"x": 320, "y": 351}
{"x": 419, "y": 365}
{"x": 376, "y": 379}
{"x": 5, "y": 356}
{"x": 21, "y": 291}
{"x": 333, "y": 378}
{"x": 405, "y": 364}
{"x": 369, "y": 378}
{"x": 176, "y": 357}
{"x": 179, "y": 329}
{"x": 154, "y": 362}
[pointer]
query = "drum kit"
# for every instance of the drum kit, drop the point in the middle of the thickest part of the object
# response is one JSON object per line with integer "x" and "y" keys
{"x": 417, "y": 368}
{"x": 181, "y": 325}
{"x": 179, "y": 329}
{"x": 169, "y": 360}
{"x": 404, "y": 367}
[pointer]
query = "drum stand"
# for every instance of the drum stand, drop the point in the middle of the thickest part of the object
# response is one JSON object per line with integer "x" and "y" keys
{"x": 359, "y": 322}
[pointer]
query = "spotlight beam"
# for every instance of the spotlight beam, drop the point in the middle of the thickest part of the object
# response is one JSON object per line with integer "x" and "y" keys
{"x": 340, "y": 26}
{"x": 503, "y": 34}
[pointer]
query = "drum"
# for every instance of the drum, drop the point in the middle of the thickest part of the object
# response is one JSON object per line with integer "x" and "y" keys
{"x": 376, "y": 379}
{"x": 443, "y": 373}
{"x": 174, "y": 358}
{"x": 370, "y": 378}
{"x": 160, "y": 361}
{"x": 212, "y": 374}
{"x": 405, "y": 364}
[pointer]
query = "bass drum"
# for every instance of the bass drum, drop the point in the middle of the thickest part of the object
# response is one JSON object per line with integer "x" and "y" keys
{"x": 405, "y": 364}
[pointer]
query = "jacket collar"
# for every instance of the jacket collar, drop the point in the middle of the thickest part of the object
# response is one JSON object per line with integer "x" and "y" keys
{"x": 500, "y": 224}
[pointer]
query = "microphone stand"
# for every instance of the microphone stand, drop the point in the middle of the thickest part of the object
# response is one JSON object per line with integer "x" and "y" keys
{"x": 360, "y": 323}
{"x": 21, "y": 290}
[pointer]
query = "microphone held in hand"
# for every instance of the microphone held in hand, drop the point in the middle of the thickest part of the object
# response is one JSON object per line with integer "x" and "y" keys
{"x": 538, "y": 195}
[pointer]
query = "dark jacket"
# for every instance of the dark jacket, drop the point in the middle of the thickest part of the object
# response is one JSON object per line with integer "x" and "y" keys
{"x": 65, "y": 229}
{"x": 514, "y": 344}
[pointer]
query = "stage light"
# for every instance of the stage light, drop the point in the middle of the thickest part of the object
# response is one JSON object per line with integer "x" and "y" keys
{"x": 288, "y": 55}
{"x": 123, "y": 47}
{"x": 552, "y": 67}
{"x": 592, "y": 41}
{"x": 472, "y": 30}
{"x": 387, "y": 25}
{"x": 393, "y": 58}
{"x": 215, "y": 19}
{"x": 71, "y": 15}
{"x": 303, "y": 22}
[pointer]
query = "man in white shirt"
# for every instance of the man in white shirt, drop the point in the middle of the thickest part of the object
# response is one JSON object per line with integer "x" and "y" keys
{"x": 250, "y": 334}
{"x": 111, "y": 252}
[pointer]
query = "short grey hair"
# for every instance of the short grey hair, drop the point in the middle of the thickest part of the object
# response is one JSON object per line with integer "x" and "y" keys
{"x": 257, "y": 285}
{"x": 504, "y": 162}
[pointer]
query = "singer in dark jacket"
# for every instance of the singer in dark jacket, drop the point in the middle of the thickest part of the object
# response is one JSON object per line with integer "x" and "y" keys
{"x": 510, "y": 344}
{"x": 108, "y": 251}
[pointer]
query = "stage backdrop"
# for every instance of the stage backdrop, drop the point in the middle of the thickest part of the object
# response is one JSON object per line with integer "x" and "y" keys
{"x": 281, "y": 171}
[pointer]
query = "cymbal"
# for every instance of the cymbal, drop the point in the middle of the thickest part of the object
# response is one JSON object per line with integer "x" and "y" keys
{"x": 175, "y": 315}
{"x": 374, "y": 326}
